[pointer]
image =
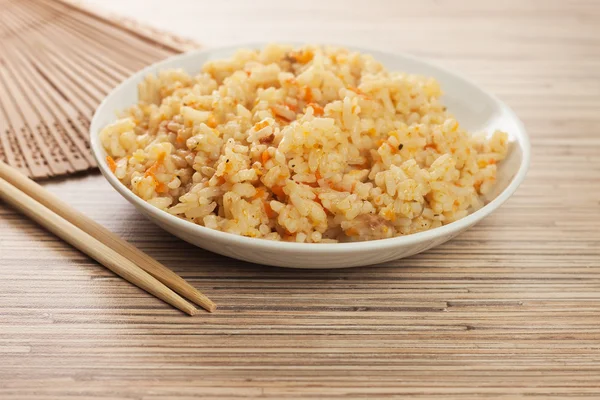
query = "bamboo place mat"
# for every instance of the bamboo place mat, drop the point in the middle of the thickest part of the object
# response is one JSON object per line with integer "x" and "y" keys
{"x": 58, "y": 60}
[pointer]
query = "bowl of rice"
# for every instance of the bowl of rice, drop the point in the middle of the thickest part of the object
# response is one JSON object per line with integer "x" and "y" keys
{"x": 308, "y": 156}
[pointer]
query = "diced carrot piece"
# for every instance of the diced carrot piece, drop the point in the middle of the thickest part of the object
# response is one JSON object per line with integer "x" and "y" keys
{"x": 389, "y": 215}
{"x": 319, "y": 111}
{"x": 351, "y": 231}
{"x": 282, "y": 117}
{"x": 111, "y": 164}
{"x": 269, "y": 210}
{"x": 278, "y": 191}
{"x": 150, "y": 171}
{"x": 359, "y": 92}
{"x": 212, "y": 121}
{"x": 259, "y": 125}
{"x": 302, "y": 57}
{"x": 264, "y": 157}
{"x": 355, "y": 90}
{"x": 259, "y": 194}
{"x": 162, "y": 188}
{"x": 308, "y": 96}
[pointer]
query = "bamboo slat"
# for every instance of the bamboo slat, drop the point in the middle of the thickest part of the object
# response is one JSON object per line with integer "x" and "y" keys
{"x": 58, "y": 61}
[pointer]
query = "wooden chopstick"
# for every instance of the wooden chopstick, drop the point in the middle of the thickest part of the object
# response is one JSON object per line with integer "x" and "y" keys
{"x": 108, "y": 239}
{"x": 92, "y": 247}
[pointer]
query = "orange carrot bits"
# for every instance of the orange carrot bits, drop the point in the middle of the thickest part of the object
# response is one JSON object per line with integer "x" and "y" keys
{"x": 111, "y": 163}
{"x": 264, "y": 157}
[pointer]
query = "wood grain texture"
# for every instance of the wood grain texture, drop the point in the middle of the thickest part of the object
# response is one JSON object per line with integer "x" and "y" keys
{"x": 69, "y": 217}
{"x": 509, "y": 309}
{"x": 89, "y": 245}
{"x": 57, "y": 62}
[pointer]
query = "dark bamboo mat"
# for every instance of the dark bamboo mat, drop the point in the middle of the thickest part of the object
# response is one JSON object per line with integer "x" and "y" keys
{"x": 58, "y": 60}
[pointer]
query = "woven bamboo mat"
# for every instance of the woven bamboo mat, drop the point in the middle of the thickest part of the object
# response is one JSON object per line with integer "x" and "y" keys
{"x": 58, "y": 59}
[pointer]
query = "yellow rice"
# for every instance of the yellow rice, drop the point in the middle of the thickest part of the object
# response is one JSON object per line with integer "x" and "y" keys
{"x": 314, "y": 144}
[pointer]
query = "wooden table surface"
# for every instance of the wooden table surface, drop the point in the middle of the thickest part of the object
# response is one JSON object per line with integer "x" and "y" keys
{"x": 511, "y": 308}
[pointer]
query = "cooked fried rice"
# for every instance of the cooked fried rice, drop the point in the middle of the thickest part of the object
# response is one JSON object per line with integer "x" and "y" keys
{"x": 313, "y": 144}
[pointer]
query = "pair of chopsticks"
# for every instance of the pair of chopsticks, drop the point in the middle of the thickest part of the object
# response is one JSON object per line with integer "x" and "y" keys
{"x": 91, "y": 238}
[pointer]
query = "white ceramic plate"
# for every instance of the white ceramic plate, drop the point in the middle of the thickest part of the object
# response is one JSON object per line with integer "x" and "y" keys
{"x": 475, "y": 109}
